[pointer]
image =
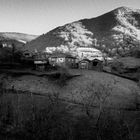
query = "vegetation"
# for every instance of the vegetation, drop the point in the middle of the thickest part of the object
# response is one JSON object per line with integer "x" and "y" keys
{"x": 22, "y": 117}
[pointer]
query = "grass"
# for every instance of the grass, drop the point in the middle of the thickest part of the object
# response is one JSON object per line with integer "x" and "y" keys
{"x": 26, "y": 116}
{"x": 75, "y": 88}
{"x": 53, "y": 112}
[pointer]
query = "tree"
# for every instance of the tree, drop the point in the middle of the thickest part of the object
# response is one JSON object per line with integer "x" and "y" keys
{"x": 127, "y": 44}
{"x": 1, "y": 46}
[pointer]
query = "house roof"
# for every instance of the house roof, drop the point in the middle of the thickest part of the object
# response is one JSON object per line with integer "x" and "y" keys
{"x": 85, "y": 60}
{"x": 41, "y": 56}
{"x": 60, "y": 55}
{"x": 90, "y": 60}
{"x": 27, "y": 51}
{"x": 40, "y": 62}
{"x": 97, "y": 60}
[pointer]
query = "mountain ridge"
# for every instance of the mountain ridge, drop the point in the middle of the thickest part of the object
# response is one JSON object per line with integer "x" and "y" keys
{"x": 106, "y": 32}
{"x": 21, "y": 37}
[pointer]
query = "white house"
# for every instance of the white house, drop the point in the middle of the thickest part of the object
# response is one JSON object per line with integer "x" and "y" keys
{"x": 89, "y": 53}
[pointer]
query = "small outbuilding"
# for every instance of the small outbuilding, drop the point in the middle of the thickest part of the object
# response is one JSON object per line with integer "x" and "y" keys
{"x": 85, "y": 64}
{"x": 94, "y": 64}
{"x": 41, "y": 61}
{"x": 40, "y": 64}
{"x": 97, "y": 64}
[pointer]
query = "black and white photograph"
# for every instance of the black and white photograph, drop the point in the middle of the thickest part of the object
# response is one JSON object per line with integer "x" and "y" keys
{"x": 69, "y": 69}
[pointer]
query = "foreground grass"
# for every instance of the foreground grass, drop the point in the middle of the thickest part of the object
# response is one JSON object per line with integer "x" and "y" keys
{"x": 123, "y": 94}
{"x": 46, "y": 117}
{"x": 38, "y": 118}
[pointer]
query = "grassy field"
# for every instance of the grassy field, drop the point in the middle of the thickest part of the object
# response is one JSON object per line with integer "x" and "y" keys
{"x": 119, "y": 92}
{"x": 35, "y": 117}
{"x": 94, "y": 105}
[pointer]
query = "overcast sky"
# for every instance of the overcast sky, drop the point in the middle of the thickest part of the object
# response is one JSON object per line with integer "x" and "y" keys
{"x": 40, "y": 16}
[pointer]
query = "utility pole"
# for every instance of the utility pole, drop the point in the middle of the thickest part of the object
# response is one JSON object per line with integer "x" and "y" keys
{"x": 13, "y": 52}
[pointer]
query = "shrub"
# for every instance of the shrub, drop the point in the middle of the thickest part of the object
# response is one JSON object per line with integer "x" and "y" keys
{"x": 63, "y": 76}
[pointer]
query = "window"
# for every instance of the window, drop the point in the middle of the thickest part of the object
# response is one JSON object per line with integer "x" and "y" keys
{"x": 53, "y": 59}
{"x": 61, "y": 59}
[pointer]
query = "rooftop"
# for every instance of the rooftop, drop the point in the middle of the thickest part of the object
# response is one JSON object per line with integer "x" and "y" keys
{"x": 64, "y": 55}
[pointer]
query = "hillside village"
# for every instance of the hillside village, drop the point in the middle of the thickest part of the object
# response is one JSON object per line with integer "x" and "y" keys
{"x": 44, "y": 59}
{"x": 80, "y": 43}
{"x": 53, "y": 58}
{"x": 80, "y": 81}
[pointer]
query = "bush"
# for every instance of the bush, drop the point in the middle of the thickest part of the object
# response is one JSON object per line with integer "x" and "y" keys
{"x": 62, "y": 76}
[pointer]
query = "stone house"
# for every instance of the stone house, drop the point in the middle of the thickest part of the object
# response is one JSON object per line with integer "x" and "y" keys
{"x": 41, "y": 61}
{"x": 62, "y": 60}
{"x": 94, "y": 64}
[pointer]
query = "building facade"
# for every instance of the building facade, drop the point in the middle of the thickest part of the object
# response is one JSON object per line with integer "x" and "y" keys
{"x": 91, "y": 64}
{"x": 85, "y": 64}
{"x": 62, "y": 60}
{"x": 41, "y": 61}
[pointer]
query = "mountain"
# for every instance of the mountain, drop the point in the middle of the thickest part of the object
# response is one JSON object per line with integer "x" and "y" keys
{"x": 114, "y": 33}
{"x": 21, "y": 37}
{"x": 11, "y": 41}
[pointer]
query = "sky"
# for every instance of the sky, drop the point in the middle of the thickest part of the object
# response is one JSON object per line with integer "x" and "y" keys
{"x": 40, "y": 16}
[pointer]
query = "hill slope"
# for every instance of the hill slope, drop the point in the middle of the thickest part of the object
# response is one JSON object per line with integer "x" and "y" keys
{"x": 21, "y": 37}
{"x": 119, "y": 92}
{"x": 10, "y": 39}
{"x": 105, "y": 33}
